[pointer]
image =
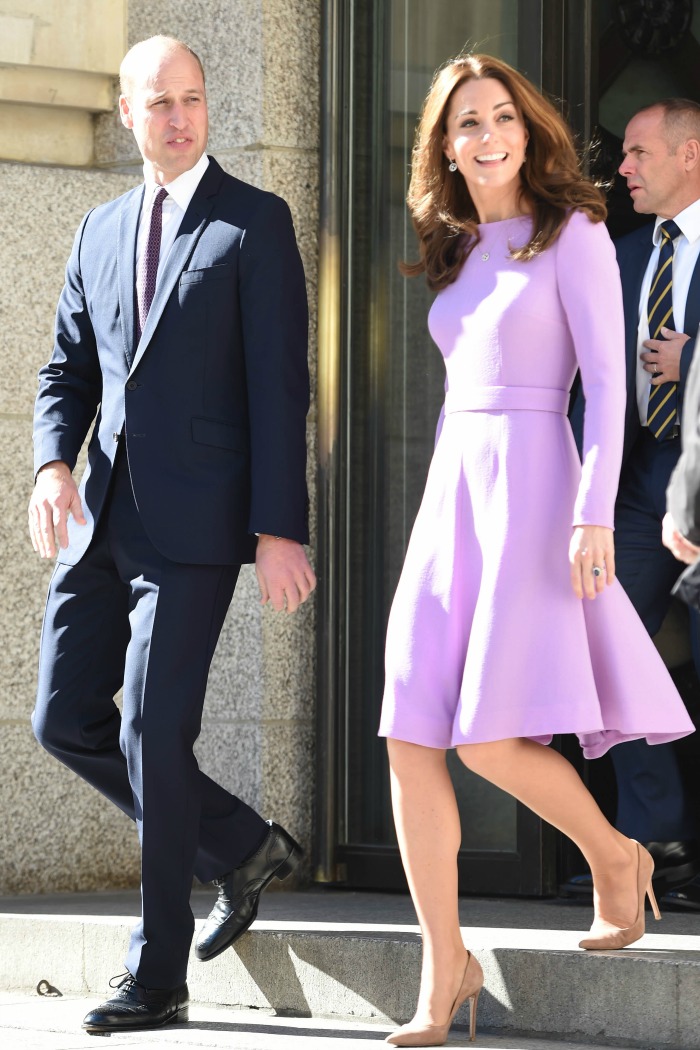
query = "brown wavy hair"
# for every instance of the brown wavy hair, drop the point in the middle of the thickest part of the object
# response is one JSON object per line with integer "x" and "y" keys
{"x": 443, "y": 212}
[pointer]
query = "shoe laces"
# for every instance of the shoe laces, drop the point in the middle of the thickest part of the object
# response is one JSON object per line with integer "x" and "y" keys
{"x": 123, "y": 980}
{"x": 224, "y": 896}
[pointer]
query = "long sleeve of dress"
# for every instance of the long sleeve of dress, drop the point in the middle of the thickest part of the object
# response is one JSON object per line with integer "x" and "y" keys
{"x": 591, "y": 294}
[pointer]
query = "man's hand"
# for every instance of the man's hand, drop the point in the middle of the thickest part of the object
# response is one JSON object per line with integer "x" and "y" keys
{"x": 678, "y": 545}
{"x": 664, "y": 361}
{"x": 284, "y": 575}
{"x": 591, "y": 549}
{"x": 55, "y": 496}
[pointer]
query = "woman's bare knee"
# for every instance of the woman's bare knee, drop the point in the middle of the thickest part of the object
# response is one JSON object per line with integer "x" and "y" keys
{"x": 410, "y": 757}
{"x": 481, "y": 758}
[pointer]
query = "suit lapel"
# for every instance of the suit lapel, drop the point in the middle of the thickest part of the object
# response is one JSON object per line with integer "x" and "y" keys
{"x": 126, "y": 267}
{"x": 632, "y": 274}
{"x": 193, "y": 223}
{"x": 691, "y": 321}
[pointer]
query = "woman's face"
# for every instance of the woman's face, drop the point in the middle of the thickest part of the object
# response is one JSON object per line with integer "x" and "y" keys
{"x": 486, "y": 136}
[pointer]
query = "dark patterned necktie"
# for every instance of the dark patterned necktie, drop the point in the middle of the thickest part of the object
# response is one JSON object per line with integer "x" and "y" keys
{"x": 148, "y": 265}
{"x": 663, "y": 399}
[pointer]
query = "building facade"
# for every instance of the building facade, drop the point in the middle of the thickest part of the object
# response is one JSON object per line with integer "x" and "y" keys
{"x": 316, "y": 100}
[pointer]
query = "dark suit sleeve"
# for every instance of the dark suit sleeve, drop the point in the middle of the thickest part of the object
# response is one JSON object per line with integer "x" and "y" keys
{"x": 275, "y": 334}
{"x": 70, "y": 385}
{"x": 686, "y": 360}
{"x": 683, "y": 494}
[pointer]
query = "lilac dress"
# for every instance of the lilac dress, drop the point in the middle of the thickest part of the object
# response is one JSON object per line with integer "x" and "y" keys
{"x": 486, "y": 638}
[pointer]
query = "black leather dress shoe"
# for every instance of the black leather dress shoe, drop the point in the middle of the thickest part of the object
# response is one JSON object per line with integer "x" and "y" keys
{"x": 675, "y": 863}
{"x": 684, "y": 898}
{"x": 135, "y": 1007}
{"x": 239, "y": 891}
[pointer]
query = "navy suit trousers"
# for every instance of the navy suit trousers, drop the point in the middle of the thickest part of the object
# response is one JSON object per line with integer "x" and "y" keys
{"x": 651, "y": 801}
{"x": 125, "y": 615}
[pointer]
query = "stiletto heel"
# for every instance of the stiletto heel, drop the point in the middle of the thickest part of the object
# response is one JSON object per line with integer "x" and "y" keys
{"x": 604, "y": 935}
{"x": 652, "y": 900}
{"x": 474, "y": 999}
{"x": 413, "y": 1034}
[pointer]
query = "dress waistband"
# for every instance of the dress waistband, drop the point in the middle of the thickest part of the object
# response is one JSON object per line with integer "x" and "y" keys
{"x": 527, "y": 398}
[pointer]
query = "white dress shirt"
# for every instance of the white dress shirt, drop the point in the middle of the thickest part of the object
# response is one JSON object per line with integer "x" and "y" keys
{"x": 685, "y": 256}
{"x": 180, "y": 193}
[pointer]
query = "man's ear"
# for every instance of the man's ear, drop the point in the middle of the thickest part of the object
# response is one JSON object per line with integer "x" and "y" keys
{"x": 691, "y": 154}
{"x": 125, "y": 112}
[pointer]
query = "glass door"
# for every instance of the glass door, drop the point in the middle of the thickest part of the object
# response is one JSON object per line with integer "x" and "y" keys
{"x": 381, "y": 385}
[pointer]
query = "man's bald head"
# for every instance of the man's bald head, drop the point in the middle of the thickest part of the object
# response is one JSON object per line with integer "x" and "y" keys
{"x": 144, "y": 53}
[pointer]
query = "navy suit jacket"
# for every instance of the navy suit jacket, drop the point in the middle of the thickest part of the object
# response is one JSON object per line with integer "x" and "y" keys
{"x": 213, "y": 399}
{"x": 633, "y": 253}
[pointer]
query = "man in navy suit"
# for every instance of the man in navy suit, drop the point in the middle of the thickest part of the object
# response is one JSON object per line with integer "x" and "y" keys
{"x": 661, "y": 162}
{"x": 182, "y": 331}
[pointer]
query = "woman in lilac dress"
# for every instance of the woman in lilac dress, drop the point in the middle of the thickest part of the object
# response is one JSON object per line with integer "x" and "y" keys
{"x": 508, "y": 625}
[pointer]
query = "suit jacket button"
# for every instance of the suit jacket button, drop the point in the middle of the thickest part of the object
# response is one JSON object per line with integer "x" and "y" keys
{"x": 131, "y": 385}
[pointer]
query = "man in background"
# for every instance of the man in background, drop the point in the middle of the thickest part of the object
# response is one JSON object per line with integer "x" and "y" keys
{"x": 660, "y": 275}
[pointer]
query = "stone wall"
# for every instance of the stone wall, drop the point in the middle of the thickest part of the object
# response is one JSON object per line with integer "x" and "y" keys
{"x": 57, "y": 833}
{"x": 57, "y": 63}
{"x": 261, "y": 58}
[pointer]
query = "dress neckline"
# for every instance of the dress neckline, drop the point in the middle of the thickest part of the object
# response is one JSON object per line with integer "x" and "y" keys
{"x": 503, "y": 222}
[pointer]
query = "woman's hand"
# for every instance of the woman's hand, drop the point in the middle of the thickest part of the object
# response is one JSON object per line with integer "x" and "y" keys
{"x": 592, "y": 557}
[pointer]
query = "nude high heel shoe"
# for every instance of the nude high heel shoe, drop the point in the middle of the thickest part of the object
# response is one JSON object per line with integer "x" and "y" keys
{"x": 412, "y": 1034}
{"x": 604, "y": 936}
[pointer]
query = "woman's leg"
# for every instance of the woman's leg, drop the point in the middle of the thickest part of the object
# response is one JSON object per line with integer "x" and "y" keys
{"x": 549, "y": 785}
{"x": 428, "y": 830}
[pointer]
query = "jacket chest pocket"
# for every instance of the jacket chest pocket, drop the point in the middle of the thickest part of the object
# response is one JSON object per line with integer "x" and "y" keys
{"x": 207, "y": 275}
{"x": 208, "y": 280}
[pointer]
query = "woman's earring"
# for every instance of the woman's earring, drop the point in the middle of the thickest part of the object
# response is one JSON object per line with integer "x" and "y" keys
{"x": 453, "y": 165}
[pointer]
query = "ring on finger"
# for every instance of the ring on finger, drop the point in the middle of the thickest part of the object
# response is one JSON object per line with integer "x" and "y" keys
{"x": 597, "y": 571}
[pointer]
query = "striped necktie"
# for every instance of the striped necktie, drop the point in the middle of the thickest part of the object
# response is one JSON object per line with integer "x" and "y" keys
{"x": 662, "y": 412}
{"x": 148, "y": 268}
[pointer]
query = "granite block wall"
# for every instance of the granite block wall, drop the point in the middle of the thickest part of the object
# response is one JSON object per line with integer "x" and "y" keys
{"x": 57, "y": 834}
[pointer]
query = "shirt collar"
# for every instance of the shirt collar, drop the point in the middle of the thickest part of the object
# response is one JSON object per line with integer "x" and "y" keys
{"x": 182, "y": 188}
{"x": 687, "y": 220}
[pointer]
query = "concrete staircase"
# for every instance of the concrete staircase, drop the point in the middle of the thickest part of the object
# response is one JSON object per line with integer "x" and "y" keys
{"x": 329, "y": 953}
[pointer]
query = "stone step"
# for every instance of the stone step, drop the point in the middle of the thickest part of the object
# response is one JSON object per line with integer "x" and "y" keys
{"x": 343, "y": 956}
{"x": 54, "y": 1024}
